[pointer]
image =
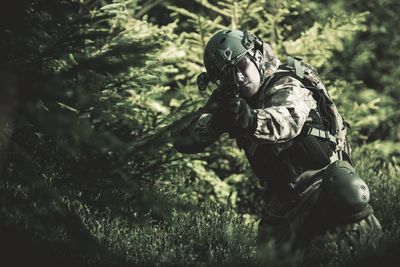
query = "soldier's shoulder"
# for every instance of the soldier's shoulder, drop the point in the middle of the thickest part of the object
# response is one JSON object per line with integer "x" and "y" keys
{"x": 283, "y": 83}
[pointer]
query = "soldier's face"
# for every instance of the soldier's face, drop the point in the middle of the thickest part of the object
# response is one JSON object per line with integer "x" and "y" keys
{"x": 248, "y": 77}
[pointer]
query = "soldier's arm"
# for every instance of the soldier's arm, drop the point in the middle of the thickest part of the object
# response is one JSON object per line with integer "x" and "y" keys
{"x": 195, "y": 133}
{"x": 288, "y": 106}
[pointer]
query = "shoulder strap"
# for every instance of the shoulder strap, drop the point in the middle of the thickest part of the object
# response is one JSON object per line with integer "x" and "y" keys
{"x": 296, "y": 65}
{"x": 310, "y": 79}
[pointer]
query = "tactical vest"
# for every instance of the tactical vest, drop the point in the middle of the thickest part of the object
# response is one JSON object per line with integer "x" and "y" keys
{"x": 321, "y": 141}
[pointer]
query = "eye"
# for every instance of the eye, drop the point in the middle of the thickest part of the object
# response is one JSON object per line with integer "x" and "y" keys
{"x": 242, "y": 64}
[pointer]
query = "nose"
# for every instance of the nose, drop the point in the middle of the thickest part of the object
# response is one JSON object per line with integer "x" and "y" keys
{"x": 239, "y": 76}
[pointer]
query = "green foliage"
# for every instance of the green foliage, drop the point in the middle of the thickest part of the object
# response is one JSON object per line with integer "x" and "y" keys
{"x": 86, "y": 81}
{"x": 370, "y": 60}
{"x": 382, "y": 176}
{"x": 89, "y": 90}
{"x": 319, "y": 42}
{"x": 364, "y": 108}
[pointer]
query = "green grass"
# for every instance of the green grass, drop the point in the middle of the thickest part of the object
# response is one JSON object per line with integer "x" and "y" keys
{"x": 71, "y": 232}
{"x": 211, "y": 235}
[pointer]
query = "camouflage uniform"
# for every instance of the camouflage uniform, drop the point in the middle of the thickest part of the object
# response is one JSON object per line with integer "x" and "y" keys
{"x": 298, "y": 210}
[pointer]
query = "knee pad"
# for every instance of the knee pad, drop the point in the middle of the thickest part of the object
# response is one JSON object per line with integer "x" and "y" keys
{"x": 345, "y": 194}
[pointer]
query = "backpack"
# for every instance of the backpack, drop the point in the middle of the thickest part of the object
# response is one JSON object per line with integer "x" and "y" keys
{"x": 333, "y": 122}
{"x": 321, "y": 141}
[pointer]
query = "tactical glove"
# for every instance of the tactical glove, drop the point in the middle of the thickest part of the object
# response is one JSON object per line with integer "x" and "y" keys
{"x": 235, "y": 117}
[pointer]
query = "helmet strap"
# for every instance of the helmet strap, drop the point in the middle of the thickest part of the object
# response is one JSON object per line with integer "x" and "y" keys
{"x": 256, "y": 61}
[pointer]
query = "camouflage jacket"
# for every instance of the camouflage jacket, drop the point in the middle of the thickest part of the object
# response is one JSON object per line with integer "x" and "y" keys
{"x": 281, "y": 112}
{"x": 282, "y": 109}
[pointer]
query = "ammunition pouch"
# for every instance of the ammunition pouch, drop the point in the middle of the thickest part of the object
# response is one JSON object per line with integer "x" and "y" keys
{"x": 307, "y": 152}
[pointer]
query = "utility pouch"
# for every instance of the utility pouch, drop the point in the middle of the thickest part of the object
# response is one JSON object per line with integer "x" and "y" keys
{"x": 319, "y": 151}
{"x": 307, "y": 153}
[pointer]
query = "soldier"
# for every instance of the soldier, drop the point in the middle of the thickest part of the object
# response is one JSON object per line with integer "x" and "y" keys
{"x": 282, "y": 116}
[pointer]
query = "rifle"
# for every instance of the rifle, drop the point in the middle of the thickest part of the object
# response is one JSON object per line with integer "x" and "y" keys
{"x": 227, "y": 90}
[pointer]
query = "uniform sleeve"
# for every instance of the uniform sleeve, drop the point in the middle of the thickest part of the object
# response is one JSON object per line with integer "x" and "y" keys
{"x": 195, "y": 133}
{"x": 288, "y": 104}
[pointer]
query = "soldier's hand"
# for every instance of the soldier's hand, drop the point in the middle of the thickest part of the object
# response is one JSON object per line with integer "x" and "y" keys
{"x": 234, "y": 117}
{"x": 222, "y": 119}
{"x": 244, "y": 117}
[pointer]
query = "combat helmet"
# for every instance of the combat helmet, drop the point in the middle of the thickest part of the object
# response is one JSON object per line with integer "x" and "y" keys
{"x": 226, "y": 48}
